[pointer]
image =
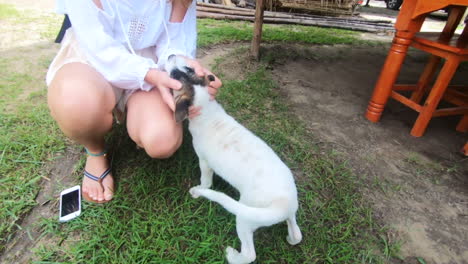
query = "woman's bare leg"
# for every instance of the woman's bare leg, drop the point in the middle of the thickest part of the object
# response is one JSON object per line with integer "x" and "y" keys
{"x": 81, "y": 101}
{"x": 151, "y": 124}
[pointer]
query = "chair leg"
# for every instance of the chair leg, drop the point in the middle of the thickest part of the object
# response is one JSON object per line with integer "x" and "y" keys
{"x": 426, "y": 77}
{"x": 465, "y": 149}
{"x": 463, "y": 124}
{"x": 388, "y": 76}
{"x": 425, "y": 115}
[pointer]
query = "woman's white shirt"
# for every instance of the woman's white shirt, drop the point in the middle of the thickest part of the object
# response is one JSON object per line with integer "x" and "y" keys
{"x": 109, "y": 36}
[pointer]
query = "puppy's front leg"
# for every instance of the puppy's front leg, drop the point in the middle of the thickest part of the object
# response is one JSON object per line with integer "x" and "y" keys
{"x": 206, "y": 178}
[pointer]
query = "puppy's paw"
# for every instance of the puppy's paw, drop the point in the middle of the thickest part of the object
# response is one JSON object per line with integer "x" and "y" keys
{"x": 232, "y": 255}
{"x": 294, "y": 235}
{"x": 195, "y": 191}
{"x": 293, "y": 241}
{"x": 235, "y": 257}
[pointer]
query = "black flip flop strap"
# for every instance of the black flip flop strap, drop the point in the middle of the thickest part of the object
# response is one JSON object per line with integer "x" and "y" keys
{"x": 92, "y": 177}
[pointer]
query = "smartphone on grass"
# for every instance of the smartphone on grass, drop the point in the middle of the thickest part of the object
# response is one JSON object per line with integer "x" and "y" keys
{"x": 70, "y": 203}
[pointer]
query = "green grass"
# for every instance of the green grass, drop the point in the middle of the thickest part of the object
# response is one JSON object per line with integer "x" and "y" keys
{"x": 153, "y": 219}
{"x": 8, "y": 11}
{"x": 221, "y": 31}
{"x": 28, "y": 140}
{"x": 24, "y": 26}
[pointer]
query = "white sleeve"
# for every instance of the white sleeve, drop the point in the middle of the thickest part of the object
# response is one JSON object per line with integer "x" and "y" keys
{"x": 108, "y": 56}
{"x": 59, "y": 7}
{"x": 180, "y": 38}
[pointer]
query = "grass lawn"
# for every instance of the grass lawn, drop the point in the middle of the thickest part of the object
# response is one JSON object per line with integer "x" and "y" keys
{"x": 28, "y": 138}
{"x": 152, "y": 218}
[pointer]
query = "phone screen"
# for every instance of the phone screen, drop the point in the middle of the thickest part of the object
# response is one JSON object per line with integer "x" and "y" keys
{"x": 70, "y": 203}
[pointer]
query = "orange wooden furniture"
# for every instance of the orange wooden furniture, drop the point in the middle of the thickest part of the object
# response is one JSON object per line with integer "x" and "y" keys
{"x": 441, "y": 45}
{"x": 465, "y": 149}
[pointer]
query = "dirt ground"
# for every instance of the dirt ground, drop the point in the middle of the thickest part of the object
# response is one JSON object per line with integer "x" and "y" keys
{"x": 417, "y": 186}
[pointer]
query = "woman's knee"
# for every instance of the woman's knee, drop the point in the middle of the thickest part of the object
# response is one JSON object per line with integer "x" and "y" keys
{"x": 75, "y": 96}
{"x": 151, "y": 124}
{"x": 162, "y": 144}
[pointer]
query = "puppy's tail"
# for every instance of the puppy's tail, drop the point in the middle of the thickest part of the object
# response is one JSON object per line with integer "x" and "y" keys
{"x": 276, "y": 212}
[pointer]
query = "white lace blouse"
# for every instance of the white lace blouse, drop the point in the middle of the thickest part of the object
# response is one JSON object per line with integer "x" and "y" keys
{"x": 110, "y": 37}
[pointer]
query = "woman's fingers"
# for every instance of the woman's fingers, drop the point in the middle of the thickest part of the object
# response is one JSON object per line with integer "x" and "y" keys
{"x": 194, "y": 111}
{"x": 164, "y": 84}
{"x": 212, "y": 91}
{"x": 216, "y": 83}
{"x": 198, "y": 70}
{"x": 201, "y": 71}
{"x": 167, "y": 97}
{"x": 173, "y": 84}
{"x": 165, "y": 89}
{"x": 197, "y": 67}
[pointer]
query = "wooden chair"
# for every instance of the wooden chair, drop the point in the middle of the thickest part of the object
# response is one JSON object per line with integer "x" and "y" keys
{"x": 442, "y": 45}
{"x": 465, "y": 149}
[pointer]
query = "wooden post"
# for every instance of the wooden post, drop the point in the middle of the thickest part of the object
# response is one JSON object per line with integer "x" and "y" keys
{"x": 257, "y": 34}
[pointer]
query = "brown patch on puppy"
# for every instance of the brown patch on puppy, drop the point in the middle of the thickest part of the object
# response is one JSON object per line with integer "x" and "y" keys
{"x": 184, "y": 97}
{"x": 183, "y": 100}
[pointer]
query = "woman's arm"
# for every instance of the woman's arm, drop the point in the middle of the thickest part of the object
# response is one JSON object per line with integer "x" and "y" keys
{"x": 181, "y": 35}
{"x": 178, "y": 11}
{"x": 181, "y": 39}
{"x": 112, "y": 59}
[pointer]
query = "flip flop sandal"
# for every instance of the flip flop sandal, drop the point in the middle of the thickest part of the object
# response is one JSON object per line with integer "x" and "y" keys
{"x": 95, "y": 178}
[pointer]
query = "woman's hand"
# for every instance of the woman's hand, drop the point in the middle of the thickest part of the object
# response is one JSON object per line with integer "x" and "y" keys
{"x": 194, "y": 111}
{"x": 212, "y": 88}
{"x": 201, "y": 71}
{"x": 163, "y": 83}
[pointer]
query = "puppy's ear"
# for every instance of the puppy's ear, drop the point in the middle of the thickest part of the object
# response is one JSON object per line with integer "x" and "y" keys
{"x": 181, "y": 110}
{"x": 183, "y": 100}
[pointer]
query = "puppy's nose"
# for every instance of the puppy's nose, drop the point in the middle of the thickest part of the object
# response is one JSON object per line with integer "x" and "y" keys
{"x": 211, "y": 78}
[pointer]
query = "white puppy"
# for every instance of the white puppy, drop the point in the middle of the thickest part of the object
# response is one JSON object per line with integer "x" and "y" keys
{"x": 268, "y": 194}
